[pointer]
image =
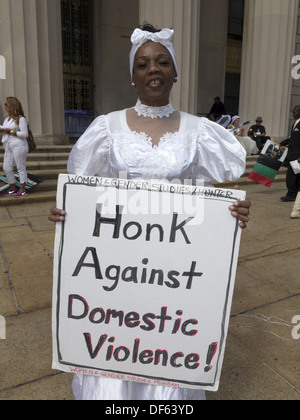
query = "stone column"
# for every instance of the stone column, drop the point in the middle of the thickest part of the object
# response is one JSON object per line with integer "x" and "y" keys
{"x": 212, "y": 53}
{"x": 268, "y": 48}
{"x": 30, "y": 41}
{"x": 184, "y": 17}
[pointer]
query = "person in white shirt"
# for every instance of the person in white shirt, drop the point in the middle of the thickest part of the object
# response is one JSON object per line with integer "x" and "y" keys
{"x": 14, "y": 139}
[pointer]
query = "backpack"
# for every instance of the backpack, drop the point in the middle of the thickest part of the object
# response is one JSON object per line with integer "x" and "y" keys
{"x": 30, "y": 141}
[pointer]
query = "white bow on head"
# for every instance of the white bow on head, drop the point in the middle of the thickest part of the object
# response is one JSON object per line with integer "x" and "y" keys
{"x": 139, "y": 37}
{"x": 164, "y": 37}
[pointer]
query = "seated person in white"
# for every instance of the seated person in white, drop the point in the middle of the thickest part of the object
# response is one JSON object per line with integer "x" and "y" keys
{"x": 248, "y": 144}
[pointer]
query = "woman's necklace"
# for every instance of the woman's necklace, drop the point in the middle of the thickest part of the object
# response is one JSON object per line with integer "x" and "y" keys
{"x": 154, "y": 111}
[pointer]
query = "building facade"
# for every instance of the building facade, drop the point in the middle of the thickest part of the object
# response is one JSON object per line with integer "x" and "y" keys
{"x": 67, "y": 60}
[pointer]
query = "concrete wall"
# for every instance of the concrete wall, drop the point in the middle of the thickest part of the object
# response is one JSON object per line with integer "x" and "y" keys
{"x": 268, "y": 48}
{"x": 30, "y": 41}
{"x": 114, "y": 21}
{"x": 212, "y": 53}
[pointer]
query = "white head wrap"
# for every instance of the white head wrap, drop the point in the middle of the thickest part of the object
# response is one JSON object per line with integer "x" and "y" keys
{"x": 236, "y": 117}
{"x": 164, "y": 37}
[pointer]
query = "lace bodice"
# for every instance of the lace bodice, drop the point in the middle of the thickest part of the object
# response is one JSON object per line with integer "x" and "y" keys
{"x": 200, "y": 149}
{"x": 134, "y": 153}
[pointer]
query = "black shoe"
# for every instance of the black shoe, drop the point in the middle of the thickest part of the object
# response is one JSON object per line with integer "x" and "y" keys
{"x": 288, "y": 199}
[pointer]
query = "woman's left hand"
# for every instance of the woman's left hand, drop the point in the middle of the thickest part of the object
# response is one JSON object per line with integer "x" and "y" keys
{"x": 241, "y": 211}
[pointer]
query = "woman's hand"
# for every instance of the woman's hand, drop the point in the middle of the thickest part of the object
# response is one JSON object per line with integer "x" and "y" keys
{"x": 241, "y": 211}
{"x": 56, "y": 215}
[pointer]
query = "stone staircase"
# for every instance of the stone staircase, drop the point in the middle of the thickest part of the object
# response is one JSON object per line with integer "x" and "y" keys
{"x": 48, "y": 161}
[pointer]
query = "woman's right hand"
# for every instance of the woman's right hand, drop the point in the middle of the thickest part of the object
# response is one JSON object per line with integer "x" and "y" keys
{"x": 56, "y": 215}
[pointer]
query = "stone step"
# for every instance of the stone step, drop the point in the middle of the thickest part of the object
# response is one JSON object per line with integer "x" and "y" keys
{"x": 46, "y": 162}
{"x": 52, "y": 175}
{"x": 46, "y": 156}
{"x": 34, "y": 166}
{"x": 66, "y": 148}
{"x": 249, "y": 169}
{"x": 49, "y": 148}
{"x": 44, "y": 192}
{"x": 32, "y": 197}
{"x": 244, "y": 180}
{"x": 46, "y": 153}
{"x": 48, "y": 174}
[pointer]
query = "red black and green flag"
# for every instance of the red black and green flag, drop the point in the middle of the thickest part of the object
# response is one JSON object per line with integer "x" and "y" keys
{"x": 265, "y": 170}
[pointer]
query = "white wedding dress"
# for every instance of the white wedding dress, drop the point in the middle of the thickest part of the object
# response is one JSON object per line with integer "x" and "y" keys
{"x": 199, "y": 150}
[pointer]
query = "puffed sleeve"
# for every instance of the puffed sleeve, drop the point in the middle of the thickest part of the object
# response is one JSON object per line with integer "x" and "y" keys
{"x": 220, "y": 155}
{"x": 90, "y": 155}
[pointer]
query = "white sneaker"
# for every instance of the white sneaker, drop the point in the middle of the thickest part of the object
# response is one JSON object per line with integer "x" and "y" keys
{"x": 296, "y": 209}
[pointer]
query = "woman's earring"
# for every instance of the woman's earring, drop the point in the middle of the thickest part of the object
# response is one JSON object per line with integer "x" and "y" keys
{"x": 133, "y": 84}
{"x": 176, "y": 79}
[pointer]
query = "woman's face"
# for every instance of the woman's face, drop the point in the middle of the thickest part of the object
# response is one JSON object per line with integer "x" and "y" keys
{"x": 7, "y": 106}
{"x": 153, "y": 74}
{"x": 236, "y": 122}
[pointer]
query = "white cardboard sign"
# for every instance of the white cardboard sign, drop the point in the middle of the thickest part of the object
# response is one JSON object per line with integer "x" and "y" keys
{"x": 144, "y": 275}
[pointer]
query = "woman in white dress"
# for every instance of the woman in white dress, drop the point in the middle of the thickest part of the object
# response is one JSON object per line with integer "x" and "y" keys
{"x": 152, "y": 140}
